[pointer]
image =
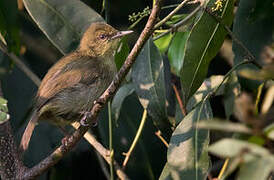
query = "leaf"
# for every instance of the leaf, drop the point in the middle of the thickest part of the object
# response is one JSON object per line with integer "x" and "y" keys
{"x": 224, "y": 125}
{"x": 232, "y": 90}
{"x": 121, "y": 53}
{"x": 203, "y": 43}
{"x": 258, "y": 168}
{"x": 245, "y": 28}
{"x": 148, "y": 79}
{"x": 9, "y": 26}
{"x": 119, "y": 98}
{"x": 62, "y": 21}
{"x": 208, "y": 86}
{"x": 267, "y": 73}
{"x": 176, "y": 51}
{"x": 187, "y": 157}
{"x": 163, "y": 42}
{"x": 148, "y": 149}
{"x": 269, "y": 131}
{"x": 233, "y": 147}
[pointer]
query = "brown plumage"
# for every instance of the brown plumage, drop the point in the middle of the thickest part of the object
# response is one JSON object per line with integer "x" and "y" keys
{"x": 73, "y": 84}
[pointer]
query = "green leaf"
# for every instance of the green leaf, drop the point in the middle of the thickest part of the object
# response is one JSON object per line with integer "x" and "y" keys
{"x": 9, "y": 25}
{"x": 119, "y": 98}
{"x": 121, "y": 53}
{"x": 232, "y": 90}
{"x": 203, "y": 43}
{"x": 148, "y": 149}
{"x": 208, "y": 86}
{"x": 269, "y": 131}
{"x": 245, "y": 28}
{"x": 148, "y": 79}
{"x": 163, "y": 42}
{"x": 250, "y": 23}
{"x": 233, "y": 147}
{"x": 187, "y": 157}
{"x": 258, "y": 168}
{"x": 224, "y": 125}
{"x": 62, "y": 21}
{"x": 176, "y": 51}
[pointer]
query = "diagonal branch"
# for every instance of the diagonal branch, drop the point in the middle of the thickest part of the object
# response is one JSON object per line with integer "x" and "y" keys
{"x": 77, "y": 135}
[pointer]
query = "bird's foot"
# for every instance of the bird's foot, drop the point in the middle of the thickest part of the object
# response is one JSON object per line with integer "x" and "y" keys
{"x": 86, "y": 116}
{"x": 99, "y": 101}
{"x": 65, "y": 141}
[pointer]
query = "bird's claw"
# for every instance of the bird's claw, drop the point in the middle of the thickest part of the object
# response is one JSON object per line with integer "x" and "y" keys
{"x": 85, "y": 117}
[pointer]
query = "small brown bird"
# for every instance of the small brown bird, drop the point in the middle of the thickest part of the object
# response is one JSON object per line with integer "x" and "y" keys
{"x": 71, "y": 86}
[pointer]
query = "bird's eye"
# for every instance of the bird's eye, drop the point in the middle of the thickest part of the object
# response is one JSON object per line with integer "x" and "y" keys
{"x": 102, "y": 36}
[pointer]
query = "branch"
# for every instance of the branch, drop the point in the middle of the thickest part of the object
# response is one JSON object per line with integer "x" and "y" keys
{"x": 88, "y": 136}
{"x": 77, "y": 135}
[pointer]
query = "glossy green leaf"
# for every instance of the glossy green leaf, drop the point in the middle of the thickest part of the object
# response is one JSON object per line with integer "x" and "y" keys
{"x": 208, "y": 86}
{"x": 148, "y": 150}
{"x": 148, "y": 79}
{"x": 9, "y": 25}
{"x": 203, "y": 43}
{"x": 176, "y": 51}
{"x": 121, "y": 53}
{"x": 253, "y": 29}
{"x": 233, "y": 147}
{"x": 119, "y": 98}
{"x": 258, "y": 168}
{"x": 187, "y": 157}
{"x": 163, "y": 42}
{"x": 224, "y": 125}
{"x": 62, "y": 21}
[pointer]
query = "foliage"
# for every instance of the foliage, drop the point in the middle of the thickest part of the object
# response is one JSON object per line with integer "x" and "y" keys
{"x": 181, "y": 59}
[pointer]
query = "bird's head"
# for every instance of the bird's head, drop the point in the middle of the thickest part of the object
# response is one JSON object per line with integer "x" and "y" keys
{"x": 100, "y": 39}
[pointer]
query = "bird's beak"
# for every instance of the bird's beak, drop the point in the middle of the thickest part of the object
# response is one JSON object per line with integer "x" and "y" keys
{"x": 120, "y": 34}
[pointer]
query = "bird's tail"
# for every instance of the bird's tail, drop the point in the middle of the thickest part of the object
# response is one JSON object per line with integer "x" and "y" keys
{"x": 28, "y": 132}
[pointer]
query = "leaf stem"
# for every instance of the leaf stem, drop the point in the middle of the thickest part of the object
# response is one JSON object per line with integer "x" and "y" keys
{"x": 158, "y": 134}
{"x": 110, "y": 142}
{"x": 20, "y": 64}
{"x": 178, "y": 97}
{"x": 180, "y": 23}
{"x": 137, "y": 136}
{"x": 223, "y": 168}
{"x": 258, "y": 98}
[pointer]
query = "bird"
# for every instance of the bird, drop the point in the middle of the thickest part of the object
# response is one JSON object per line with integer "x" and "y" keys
{"x": 72, "y": 85}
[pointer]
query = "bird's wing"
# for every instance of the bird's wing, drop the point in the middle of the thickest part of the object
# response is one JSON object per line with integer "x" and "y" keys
{"x": 57, "y": 80}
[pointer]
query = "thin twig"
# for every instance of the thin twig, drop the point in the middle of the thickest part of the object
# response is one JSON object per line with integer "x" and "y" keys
{"x": 258, "y": 98}
{"x": 159, "y": 135}
{"x": 20, "y": 64}
{"x": 178, "y": 97}
{"x": 171, "y": 14}
{"x": 110, "y": 91}
{"x": 177, "y": 25}
{"x": 223, "y": 168}
{"x": 137, "y": 136}
{"x": 110, "y": 141}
